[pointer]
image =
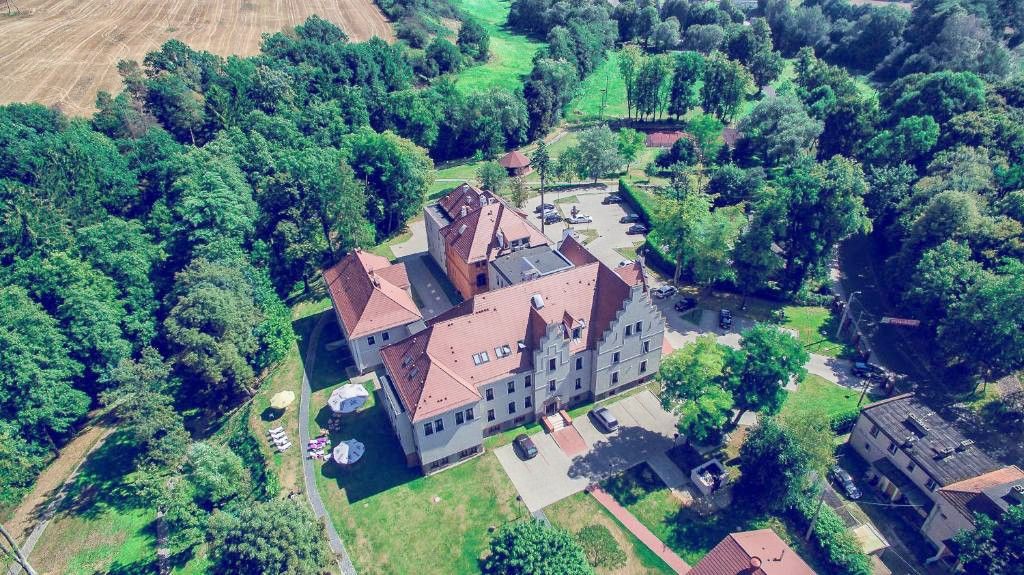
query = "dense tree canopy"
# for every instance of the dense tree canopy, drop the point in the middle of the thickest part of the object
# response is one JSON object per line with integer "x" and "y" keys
{"x": 535, "y": 548}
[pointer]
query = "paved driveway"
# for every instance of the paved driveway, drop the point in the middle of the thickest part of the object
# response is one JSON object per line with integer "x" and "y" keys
{"x": 611, "y": 234}
{"x": 645, "y": 430}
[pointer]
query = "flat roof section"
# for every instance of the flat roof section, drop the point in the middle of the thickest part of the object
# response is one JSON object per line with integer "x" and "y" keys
{"x": 530, "y": 263}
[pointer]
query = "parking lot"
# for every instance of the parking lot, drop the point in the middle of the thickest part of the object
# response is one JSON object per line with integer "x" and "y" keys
{"x": 645, "y": 430}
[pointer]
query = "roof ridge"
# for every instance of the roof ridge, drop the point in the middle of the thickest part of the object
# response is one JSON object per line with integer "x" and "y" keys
{"x": 888, "y": 400}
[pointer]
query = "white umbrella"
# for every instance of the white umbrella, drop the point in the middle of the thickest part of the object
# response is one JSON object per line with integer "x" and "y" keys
{"x": 348, "y": 452}
{"x": 282, "y": 400}
{"x": 348, "y": 398}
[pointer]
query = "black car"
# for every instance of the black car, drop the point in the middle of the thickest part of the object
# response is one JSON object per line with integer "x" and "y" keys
{"x": 612, "y": 199}
{"x": 636, "y": 229}
{"x": 867, "y": 371}
{"x": 629, "y": 219}
{"x": 685, "y": 304}
{"x": 524, "y": 446}
{"x": 544, "y": 207}
{"x": 552, "y": 218}
{"x": 844, "y": 480}
{"x": 604, "y": 419}
{"x": 725, "y": 319}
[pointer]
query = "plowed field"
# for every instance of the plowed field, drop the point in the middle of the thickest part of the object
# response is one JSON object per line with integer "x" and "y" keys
{"x": 61, "y": 52}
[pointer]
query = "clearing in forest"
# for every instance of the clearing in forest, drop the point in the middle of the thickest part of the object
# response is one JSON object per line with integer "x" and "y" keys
{"x": 61, "y": 52}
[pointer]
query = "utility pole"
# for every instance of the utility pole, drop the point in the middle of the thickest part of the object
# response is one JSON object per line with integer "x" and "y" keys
{"x": 846, "y": 311}
{"x": 817, "y": 510}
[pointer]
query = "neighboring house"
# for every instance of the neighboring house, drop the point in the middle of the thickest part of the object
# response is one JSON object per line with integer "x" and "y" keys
{"x": 990, "y": 494}
{"x": 372, "y": 303}
{"x": 921, "y": 459}
{"x": 468, "y": 229}
{"x": 508, "y": 356}
{"x": 760, "y": 552}
{"x": 515, "y": 163}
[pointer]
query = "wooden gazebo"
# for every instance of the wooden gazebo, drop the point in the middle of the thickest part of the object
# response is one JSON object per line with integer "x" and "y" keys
{"x": 516, "y": 163}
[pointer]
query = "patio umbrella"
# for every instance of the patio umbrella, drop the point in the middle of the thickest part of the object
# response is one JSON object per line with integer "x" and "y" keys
{"x": 348, "y": 398}
{"x": 348, "y": 452}
{"x": 282, "y": 400}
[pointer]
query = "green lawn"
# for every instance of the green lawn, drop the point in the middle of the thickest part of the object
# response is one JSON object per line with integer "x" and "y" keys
{"x": 581, "y": 510}
{"x": 587, "y": 105}
{"x": 392, "y": 518}
{"x": 817, "y": 328}
{"x": 818, "y": 395}
{"x": 511, "y": 53}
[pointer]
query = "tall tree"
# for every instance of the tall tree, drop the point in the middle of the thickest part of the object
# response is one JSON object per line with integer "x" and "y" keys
{"x": 772, "y": 466}
{"x": 631, "y": 143}
{"x": 776, "y": 131}
{"x": 995, "y": 546}
{"x": 692, "y": 389}
{"x": 688, "y": 70}
{"x": 599, "y": 152}
{"x": 535, "y": 547}
{"x": 492, "y": 176}
{"x": 630, "y": 60}
{"x": 769, "y": 359}
{"x": 725, "y": 86}
{"x": 278, "y": 536}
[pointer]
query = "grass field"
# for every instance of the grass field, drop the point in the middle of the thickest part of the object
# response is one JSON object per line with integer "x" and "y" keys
{"x": 817, "y": 328}
{"x": 581, "y": 510}
{"x": 61, "y": 52}
{"x": 587, "y": 105}
{"x": 511, "y": 53}
{"x": 818, "y": 395}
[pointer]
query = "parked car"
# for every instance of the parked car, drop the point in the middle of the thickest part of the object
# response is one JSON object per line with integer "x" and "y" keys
{"x": 544, "y": 208}
{"x": 636, "y": 229}
{"x": 662, "y": 292}
{"x": 685, "y": 304}
{"x": 625, "y": 263}
{"x": 868, "y": 371}
{"x": 524, "y": 446}
{"x": 579, "y": 219}
{"x": 604, "y": 419}
{"x": 845, "y": 481}
{"x": 612, "y": 199}
{"x": 724, "y": 319}
{"x": 629, "y": 219}
{"x": 552, "y": 218}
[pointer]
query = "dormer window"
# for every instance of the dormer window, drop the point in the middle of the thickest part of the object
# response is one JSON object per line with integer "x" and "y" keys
{"x": 481, "y": 358}
{"x": 577, "y": 332}
{"x": 502, "y": 351}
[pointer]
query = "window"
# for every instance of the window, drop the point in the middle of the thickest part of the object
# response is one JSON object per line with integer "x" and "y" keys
{"x": 512, "y": 386}
{"x": 577, "y": 332}
{"x": 371, "y": 341}
{"x": 528, "y": 402}
{"x": 529, "y": 382}
{"x": 867, "y": 446}
{"x": 467, "y": 452}
{"x": 439, "y": 425}
{"x": 481, "y": 280}
{"x": 489, "y": 393}
{"x": 911, "y": 467}
{"x": 579, "y": 363}
{"x": 551, "y": 385}
{"x": 638, "y": 327}
{"x": 579, "y": 383}
{"x": 428, "y": 428}
{"x": 892, "y": 448}
{"x": 459, "y": 418}
{"x": 629, "y": 330}
{"x": 511, "y": 407}
{"x": 931, "y": 485}
{"x": 643, "y": 366}
{"x": 385, "y": 336}
{"x": 481, "y": 358}
{"x": 490, "y": 415}
{"x": 874, "y": 430}
{"x": 502, "y": 351}
{"x": 647, "y": 346}
{"x": 469, "y": 414}
{"x": 615, "y": 357}
{"x": 552, "y": 364}
{"x": 615, "y": 377}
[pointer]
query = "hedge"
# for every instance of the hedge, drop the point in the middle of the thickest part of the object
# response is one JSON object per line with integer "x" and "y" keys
{"x": 836, "y": 544}
{"x": 643, "y": 204}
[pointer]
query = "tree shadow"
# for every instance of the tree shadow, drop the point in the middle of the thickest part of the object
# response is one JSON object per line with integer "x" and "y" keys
{"x": 271, "y": 414}
{"x": 622, "y": 451}
{"x": 382, "y": 466}
{"x": 100, "y": 484}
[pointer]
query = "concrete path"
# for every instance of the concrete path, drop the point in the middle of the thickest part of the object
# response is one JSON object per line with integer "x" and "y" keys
{"x": 668, "y": 472}
{"x": 640, "y": 531}
{"x": 308, "y": 470}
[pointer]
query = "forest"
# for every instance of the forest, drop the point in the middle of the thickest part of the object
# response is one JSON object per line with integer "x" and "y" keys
{"x": 148, "y": 254}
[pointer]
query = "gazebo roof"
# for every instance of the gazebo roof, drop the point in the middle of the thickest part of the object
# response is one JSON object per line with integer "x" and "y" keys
{"x": 514, "y": 159}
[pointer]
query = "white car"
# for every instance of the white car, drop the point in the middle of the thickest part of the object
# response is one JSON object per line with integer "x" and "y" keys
{"x": 579, "y": 219}
{"x": 662, "y": 292}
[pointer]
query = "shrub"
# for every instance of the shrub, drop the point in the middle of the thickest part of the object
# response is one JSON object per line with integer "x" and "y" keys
{"x": 837, "y": 546}
{"x": 844, "y": 422}
{"x": 601, "y": 548}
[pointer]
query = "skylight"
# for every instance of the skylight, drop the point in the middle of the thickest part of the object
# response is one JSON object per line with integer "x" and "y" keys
{"x": 481, "y": 358}
{"x": 502, "y": 351}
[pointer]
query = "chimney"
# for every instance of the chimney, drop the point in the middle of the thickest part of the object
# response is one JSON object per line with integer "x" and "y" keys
{"x": 755, "y": 566}
{"x": 465, "y": 210}
{"x": 538, "y": 301}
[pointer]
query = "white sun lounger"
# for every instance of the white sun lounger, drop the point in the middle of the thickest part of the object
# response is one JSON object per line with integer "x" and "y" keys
{"x": 281, "y": 439}
{"x": 279, "y": 429}
{"x": 283, "y": 446}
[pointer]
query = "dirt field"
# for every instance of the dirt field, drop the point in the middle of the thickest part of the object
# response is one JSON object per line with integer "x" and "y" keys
{"x": 61, "y": 52}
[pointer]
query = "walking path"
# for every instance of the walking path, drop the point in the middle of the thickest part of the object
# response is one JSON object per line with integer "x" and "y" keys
{"x": 308, "y": 471}
{"x": 640, "y": 531}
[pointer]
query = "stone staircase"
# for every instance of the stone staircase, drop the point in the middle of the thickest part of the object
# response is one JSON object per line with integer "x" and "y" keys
{"x": 560, "y": 420}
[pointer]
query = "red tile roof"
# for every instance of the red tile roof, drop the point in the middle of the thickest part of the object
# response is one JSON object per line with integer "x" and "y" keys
{"x": 961, "y": 493}
{"x": 664, "y": 139}
{"x": 632, "y": 273}
{"x": 464, "y": 195}
{"x": 760, "y": 552}
{"x": 434, "y": 370}
{"x": 514, "y": 159}
{"x": 475, "y": 236}
{"x": 370, "y": 293}
{"x": 574, "y": 251}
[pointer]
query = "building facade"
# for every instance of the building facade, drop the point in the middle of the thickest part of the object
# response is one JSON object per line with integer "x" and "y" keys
{"x": 509, "y": 356}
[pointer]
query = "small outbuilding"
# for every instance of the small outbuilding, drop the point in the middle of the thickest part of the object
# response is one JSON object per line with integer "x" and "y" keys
{"x": 663, "y": 139}
{"x": 516, "y": 163}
